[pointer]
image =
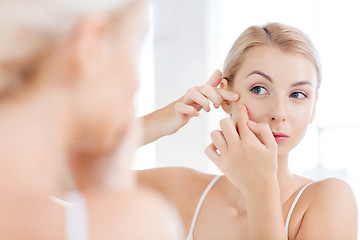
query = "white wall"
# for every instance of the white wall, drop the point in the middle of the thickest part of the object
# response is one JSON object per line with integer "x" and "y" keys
{"x": 180, "y": 63}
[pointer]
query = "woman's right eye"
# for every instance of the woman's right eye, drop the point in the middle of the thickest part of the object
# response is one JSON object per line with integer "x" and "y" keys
{"x": 258, "y": 90}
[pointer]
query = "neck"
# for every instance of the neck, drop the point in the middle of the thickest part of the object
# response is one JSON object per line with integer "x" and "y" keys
{"x": 31, "y": 141}
{"x": 284, "y": 177}
{"x": 105, "y": 172}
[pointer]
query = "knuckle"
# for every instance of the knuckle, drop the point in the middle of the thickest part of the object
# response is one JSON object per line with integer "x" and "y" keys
{"x": 213, "y": 134}
{"x": 207, "y": 149}
{"x": 223, "y": 122}
{"x": 178, "y": 105}
{"x": 217, "y": 104}
{"x": 217, "y": 101}
{"x": 209, "y": 152}
{"x": 207, "y": 105}
{"x": 191, "y": 91}
{"x": 193, "y": 110}
{"x": 206, "y": 87}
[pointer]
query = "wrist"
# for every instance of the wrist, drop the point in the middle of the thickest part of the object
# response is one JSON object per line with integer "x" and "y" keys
{"x": 151, "y": 127}
{"x": 166, "y": 117}
{"x": 263, "y": 191}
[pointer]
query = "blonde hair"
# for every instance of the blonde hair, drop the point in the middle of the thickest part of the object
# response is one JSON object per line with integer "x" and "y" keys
{"x": 29, "y": 27}
{"x": 286, "y": 38}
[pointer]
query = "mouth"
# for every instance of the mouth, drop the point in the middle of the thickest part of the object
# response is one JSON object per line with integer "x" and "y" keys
{"x": 280, "y": 137}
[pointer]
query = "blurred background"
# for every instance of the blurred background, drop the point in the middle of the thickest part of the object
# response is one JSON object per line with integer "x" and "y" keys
{"x": 189, "y": 39}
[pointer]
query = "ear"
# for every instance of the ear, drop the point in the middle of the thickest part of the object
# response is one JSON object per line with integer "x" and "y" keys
{"x": 224, "y": 84}
{"x": 314, "y": 108}
{"x": 88, "y": 44}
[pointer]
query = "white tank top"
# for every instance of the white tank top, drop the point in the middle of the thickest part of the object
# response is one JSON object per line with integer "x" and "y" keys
{"x": 76, "y": 216}
{"x": 207, "y": 190}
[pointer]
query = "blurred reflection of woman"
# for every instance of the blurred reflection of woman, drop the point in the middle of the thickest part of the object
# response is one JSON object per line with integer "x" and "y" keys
{"x": 67, "y": 80}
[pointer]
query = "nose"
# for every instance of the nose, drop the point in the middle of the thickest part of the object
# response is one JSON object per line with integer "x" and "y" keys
{"x": 278, "y": 111}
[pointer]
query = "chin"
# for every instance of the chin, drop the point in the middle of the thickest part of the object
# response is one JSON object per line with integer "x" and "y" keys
{"x": 95, "y": 142}
{"x": 110, "y": 142}
{"x": 284, "y": 149}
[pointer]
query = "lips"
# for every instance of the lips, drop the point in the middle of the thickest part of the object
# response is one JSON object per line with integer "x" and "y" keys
{"x": 280, "y": 137}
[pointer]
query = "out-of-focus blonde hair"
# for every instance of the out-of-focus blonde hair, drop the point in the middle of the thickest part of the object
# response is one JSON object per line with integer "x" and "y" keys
{"x": 28, "y": 28}
{"x": 286, "y": 38}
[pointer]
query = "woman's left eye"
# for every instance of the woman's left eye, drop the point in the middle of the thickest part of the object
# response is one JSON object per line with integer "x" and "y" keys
{"x": 298, "y": 95}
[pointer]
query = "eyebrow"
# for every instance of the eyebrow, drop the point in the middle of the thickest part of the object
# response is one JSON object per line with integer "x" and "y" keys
{"x": 301, "y": 83}
{"x": 267, "y": 77}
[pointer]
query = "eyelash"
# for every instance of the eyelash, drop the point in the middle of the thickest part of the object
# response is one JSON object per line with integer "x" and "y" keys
{"x": 257, "y": 87}
{"x": 305, "y": 96}
{"x": 291, "y": 95}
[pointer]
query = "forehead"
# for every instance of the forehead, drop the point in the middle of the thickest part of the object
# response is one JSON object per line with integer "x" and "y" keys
{"x": 281, "y": 66}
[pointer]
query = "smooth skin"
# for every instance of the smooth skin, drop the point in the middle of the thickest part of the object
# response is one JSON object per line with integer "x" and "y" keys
{"x": 278, "y": 94}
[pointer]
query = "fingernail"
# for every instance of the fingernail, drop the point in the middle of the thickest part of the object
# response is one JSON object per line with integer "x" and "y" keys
{"x": 235, "y": 96}
{"x": 251, "y": 123}
{"x": 197, "y": 114}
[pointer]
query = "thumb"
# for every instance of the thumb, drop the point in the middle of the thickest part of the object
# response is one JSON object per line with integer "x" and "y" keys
{"x": 215, "y": 79}
{"x": 263, "y": 133}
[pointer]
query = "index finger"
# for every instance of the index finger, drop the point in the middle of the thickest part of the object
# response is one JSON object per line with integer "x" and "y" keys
{"x": 241, "y": 117}
{"x": 228, "y": 95}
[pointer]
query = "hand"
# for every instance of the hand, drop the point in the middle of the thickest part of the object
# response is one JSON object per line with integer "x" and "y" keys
{"x": 198, "y": 98}
{"x": 246, "y": 152}
{"x": 171, "y": 118}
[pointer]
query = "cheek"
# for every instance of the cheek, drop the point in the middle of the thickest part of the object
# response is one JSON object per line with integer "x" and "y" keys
{"x": 118, "y": 84}
{"x": 300, "y": 118}
{"x": 257, "y": 110}
{"x": 301, "y": 113}
{"x": 123, "y": 80}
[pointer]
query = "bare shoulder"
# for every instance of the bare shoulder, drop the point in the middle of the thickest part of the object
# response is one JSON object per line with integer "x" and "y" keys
{"x": 169, "y": 172}
{"x": 174, "y": 182}
{"x": 138, "y": 214}
{"x": 182, "y": 187}
{"x": 331, "y": 211}
{"x": 158, "y": 218}
{"x": 171, "y": 175}
{"x": 331, "y": 191}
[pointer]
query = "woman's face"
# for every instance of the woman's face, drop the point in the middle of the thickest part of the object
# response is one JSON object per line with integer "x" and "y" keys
{"x": 278, "y": 88}
{"x": 122, "y": 71}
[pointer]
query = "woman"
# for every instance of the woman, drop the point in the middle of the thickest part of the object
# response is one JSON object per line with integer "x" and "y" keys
{"x": 276, "y": 73}
{"x": 67, "y": 80}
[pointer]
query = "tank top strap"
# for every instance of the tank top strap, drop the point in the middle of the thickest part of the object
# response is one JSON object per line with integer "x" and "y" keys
{"x": 292, "y": 208}
{"x": 198, "y": 207}
{"x": 76, "y": 217}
